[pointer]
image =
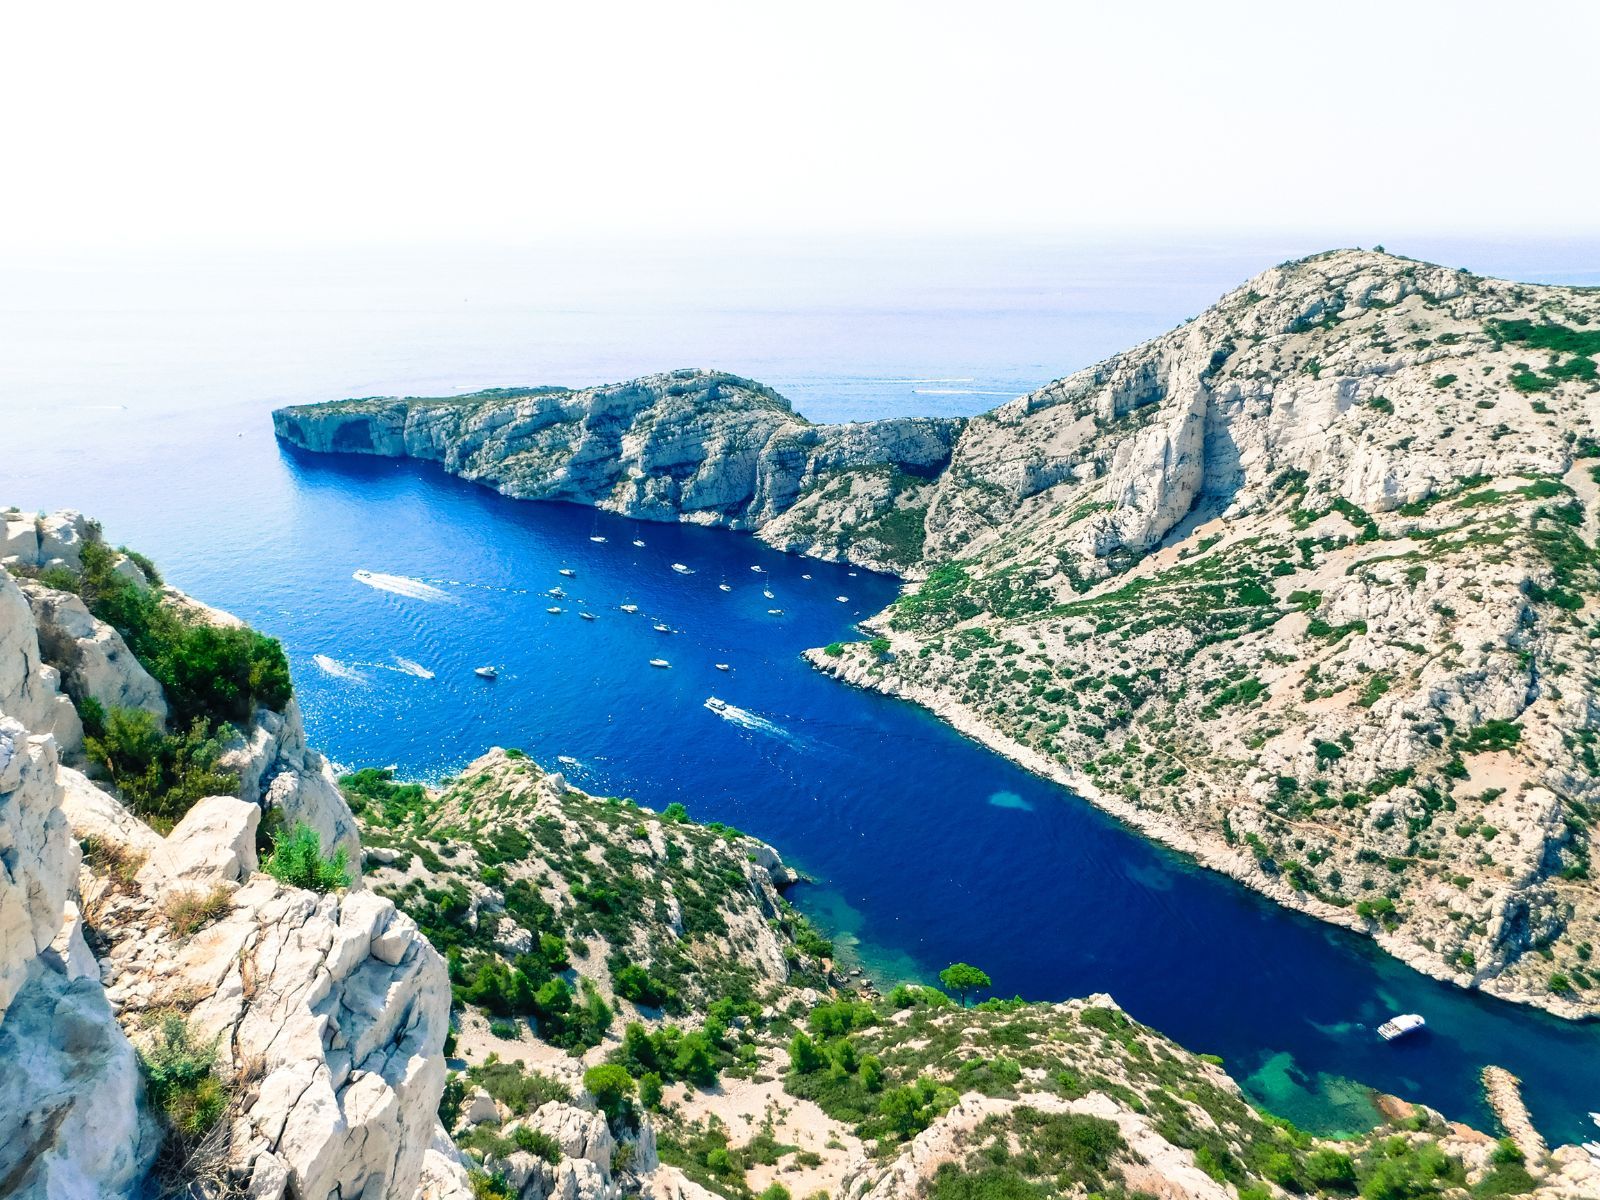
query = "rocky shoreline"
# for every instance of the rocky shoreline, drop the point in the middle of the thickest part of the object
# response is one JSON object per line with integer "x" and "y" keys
{"x": 855, "y": 668}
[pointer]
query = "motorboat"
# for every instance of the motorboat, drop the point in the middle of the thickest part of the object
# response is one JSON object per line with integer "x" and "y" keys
{"x": 659, "y": 662}
{"x": 715, "y": 705}
{"x": 557, "y": 593}
{"x": 805, "y": 577}
{"x": 774, "y": 612}
{"x": 639, "y": 542}
{"x": 724, "y": 667}
{"x": 663, "y": 628}
{"x": 486, "y": 672}
{"x": 588, "y": 616}
{"x": 767, "y": 592}
{"x": 758, "y": 569}
{"x": 555, "y": 609}
{"x": 1401, "y": 1026}
{"x": 597, "y": 538}
{"x": 682, "y": 570}
{"x": 842, "y": 599}
{"x": 629, "y": 608}
{"x": 722, "y": 587}
{"x": 568, "y": 572}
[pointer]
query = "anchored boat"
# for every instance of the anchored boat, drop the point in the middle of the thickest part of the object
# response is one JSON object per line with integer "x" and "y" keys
{"x": 659, "y": 662}
{"x": 1401, "y": 1026}
{"x": 486, "y": 672}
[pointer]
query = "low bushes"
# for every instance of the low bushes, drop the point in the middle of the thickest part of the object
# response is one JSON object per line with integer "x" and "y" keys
{"x": 298, "y": 861}
{"x": 160, "y": 775}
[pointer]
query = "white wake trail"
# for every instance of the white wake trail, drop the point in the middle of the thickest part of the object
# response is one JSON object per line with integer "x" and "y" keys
{"x": 338, "y": 669}
{"x": 403, "y": 585}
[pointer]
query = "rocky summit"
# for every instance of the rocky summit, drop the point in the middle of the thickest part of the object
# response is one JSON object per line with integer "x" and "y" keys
{"x": 1304, "y": 587}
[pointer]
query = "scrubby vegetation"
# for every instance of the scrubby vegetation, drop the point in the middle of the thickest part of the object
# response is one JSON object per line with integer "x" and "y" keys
{"x": 297, "y": 860}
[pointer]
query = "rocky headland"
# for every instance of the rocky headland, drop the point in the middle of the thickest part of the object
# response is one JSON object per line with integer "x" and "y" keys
{"x": 1304, "y": 587}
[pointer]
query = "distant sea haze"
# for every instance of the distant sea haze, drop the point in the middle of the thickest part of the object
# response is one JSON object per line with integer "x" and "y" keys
{"x": 140, "y": 393}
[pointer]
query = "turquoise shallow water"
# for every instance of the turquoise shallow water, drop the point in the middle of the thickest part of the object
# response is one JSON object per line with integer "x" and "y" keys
{"x": 926, "y": 848}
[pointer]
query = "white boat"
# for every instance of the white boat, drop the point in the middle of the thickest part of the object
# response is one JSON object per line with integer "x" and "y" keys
{"x": 724, "y": 667}
{"x": 682, "y": 570}
{"x": 716, "y": 705}
{"x": 1595, "y": 1117}
{"x": 638, "y": 542}
{"x": 485, "y": 672}
{"x": 553, "y": 609}
{"x": 757, "y": 569}
{"x": 774, "y": 612}
{"x": 597, "y": 538}
{"x": 1594, "y": 1150}
{"x": 588, "y": 616}
{"x": 842, "y": 599}
{"x": 568, "y": 572}
{"x": 722, "y": 587}
{"x": 662, "y": 628}
{"x": 805, "y": 577}
{"x": 659, "y": 662}
{"x": 767, "y": 592}
{"x": 1398, "y": 1027}
{"x": 557, "y": 592}
{"x": 629, "y": 608}
{"x": 852, "y": 574}
{"x": 566, "y": 760}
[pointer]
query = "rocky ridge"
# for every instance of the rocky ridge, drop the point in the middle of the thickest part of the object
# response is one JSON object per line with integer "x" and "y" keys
{"x": 1303, "y": 587}
{"x": 306, "y": 1030}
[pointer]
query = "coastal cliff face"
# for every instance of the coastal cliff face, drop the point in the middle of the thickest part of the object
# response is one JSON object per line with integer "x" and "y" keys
{"x": 1303, "y": 587}
{"x": 697, "y": 446}
{"x": 171, "y": 1017}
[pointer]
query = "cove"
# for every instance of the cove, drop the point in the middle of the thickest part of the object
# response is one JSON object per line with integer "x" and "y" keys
{"x": 926, "y": 847}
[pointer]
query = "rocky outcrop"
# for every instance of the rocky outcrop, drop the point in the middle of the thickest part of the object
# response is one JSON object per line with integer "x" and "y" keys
{"x": 95, "y": 663}
{"x": 279, "y": 771}
{"x": 30, "y": 688}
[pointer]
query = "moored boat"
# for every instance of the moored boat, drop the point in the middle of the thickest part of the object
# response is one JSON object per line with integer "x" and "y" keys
{"x": 597, "y": 538}
{"x": 553, "y": 609}
{"x": 568, "y": 572}
{"x": 485, "y": 672}
{"x": 682, "y": 570}
{"x": 663, "y": 628}
{"x": 659, "y": 662}
{"x": 1398, "y": 1027}
{"x": 587, "y": 616}
{"x": 724, "y": 667}
{"x": 629, "y": 608}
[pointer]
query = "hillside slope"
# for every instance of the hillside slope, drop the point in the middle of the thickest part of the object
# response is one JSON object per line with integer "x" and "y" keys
{"x": 1303, "y": 587}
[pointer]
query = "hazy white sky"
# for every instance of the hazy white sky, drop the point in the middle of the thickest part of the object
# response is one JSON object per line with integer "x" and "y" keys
{"x": 287, "y": 123}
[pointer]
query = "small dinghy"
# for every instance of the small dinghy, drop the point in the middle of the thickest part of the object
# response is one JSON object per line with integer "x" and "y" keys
{"x": 659, "y": 662}
{"x": 486, "y": 672}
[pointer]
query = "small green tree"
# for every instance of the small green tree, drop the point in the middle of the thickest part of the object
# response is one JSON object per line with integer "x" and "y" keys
{"x": 611, "y": 1086}
{"x": 964, "y": 979}
{"x": 298, "y": 861}
{"x": 675, "y": 812}
{"x": 650, "y": 1090}
{"x": 804, "y": 1057}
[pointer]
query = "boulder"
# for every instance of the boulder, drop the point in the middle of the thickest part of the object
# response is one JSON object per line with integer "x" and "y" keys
{"x": 38, "y": 857}
{"x": 30, "y": 690}
{"x": 215, "y": 842}
{"x": 61, "y": 539}
{"x": 94, "y": 813}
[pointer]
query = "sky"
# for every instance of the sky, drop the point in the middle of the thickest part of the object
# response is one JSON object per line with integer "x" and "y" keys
{"x": 348, "y": 122}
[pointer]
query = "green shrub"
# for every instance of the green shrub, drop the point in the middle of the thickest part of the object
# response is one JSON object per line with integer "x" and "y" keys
{"x": 160, "y": 775}
{"x": 518, "y": 1088}
{"x": 675, "y": 812}
{"x": 181, "y": 1080}
{"x": 537, "y": 1143}
{"x": 298, "y": 861}
{"x": 964, "y": 979}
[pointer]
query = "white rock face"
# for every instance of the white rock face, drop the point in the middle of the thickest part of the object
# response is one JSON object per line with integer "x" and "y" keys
{"x": 330, "y": 1011}
{"x": 30, "y": 689}
{"x": 38, "y": 858}
{"x": 61, "y": 539}
{"x": 93, "y": 659}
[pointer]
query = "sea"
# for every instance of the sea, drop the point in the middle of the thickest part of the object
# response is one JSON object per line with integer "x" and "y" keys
{"x": 138, "y": 387}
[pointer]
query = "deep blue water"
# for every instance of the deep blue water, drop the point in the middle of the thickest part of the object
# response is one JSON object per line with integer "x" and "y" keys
{"x": 151, "y": 413}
